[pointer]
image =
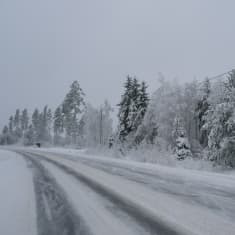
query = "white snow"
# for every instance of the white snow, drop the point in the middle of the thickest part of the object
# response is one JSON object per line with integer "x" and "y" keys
{"x": 166, "y": 207}
{"x": 98, "y": 214}
{"x": 17, "y": 202}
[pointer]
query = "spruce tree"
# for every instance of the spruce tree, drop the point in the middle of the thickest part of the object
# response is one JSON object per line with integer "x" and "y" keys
{"x": 220, "y": 124}
{"x": 17, "y": 119}
{"x": 72, "y": 108}
{"x": 58, "y": 126}
{"x": 29, "y": 136}
{"x": 125, "y": 110}
{"x": 182, "y": 146}
{"x": 36, "y": 119}
{"x": 201, "y": 111}
{"x": 11, "y": 124}
{"x": 24, "y": 120}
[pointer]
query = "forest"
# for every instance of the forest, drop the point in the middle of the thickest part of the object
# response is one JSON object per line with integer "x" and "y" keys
{"x": 191, "y": 120}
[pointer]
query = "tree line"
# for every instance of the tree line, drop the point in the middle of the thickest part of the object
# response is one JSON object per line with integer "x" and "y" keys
{"x": 73, "y": 123}
{"x": 194, "y": 120}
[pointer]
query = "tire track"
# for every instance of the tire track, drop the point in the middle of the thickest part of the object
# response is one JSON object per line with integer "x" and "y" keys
{"x": 55, "y": 215}
{"x": 142, "y": 216}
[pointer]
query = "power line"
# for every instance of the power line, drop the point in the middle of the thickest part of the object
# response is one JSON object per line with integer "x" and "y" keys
{"x": 219, "y": 76}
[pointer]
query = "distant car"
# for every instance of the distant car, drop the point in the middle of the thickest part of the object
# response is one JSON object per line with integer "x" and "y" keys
{"x": 38, "y": 145}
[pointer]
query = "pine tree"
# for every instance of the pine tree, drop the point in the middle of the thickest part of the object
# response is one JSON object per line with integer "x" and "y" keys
{"x": 132, "y": 110}
{"x": 49, "y": 121}
{"x": 105, "y": 123}
{"x": 24, "y": 120}
{"x": 201, "y": 111}
{"x": 182, "y": 146}
{"x": 142, "y": 105}
{"x": 29, "y": 136}
{"x": 72, "y": 108}
{"x": 58, "y": 126}
{"x": 5, "y": 136}
{"x": 220, "y": 123}
{"x": 17, "y": 119}
{"x": 11, "y": 124}
{"x": 44, "y": 125}
{"x": 36, "y": 120}
{"x": 125, "y": 110}
{"x": 135, "y": 105}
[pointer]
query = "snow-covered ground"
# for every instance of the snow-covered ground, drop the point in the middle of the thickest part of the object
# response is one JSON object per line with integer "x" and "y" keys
{"x": 100, "y": 195}
{"x": 17, "y": 200}
{"x": 202, "y": 202}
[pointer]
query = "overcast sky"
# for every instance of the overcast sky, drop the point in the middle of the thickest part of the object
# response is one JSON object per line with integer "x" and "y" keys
{"x": 46, "y": 44}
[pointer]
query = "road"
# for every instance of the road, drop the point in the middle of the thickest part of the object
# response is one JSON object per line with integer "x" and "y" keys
{"x": 80, "y": 195}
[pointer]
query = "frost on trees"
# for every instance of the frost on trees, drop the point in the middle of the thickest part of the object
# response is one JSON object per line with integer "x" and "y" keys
{"x": 132, "y": 109}
{"x": 182, "y": 146}
{"x": 72, "y": 109}
{"x": 220, "y": 123}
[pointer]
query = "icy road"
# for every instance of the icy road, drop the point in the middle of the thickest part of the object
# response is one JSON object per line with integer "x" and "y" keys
{"x": 52, "y": 193}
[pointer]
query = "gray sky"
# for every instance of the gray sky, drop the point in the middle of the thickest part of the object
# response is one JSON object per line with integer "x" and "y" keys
{"x": 46, "y": 44}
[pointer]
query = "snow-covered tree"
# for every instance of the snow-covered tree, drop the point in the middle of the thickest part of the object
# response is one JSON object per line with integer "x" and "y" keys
{"x": 220, "y": 123}
{"x": 124, "y": 113}
{"x": 182, "y": 146}
{"x": 165, "y": 104}
{"x": 142, "y": 106}
{"x": 11, "y": 124}
{"x": 92, "y": 126}
{"x": 44, "y": 125}
{"x": 7, "y": 137}
{"x": 49, "y": 117}
{"x": 17, "y": 119}
{"x": 24, "y": 120}
{"x": 106, "y": 122}
{"x": 72, "y": 109}
{"x": 36, "y": 121}
{"x": 132, "y": 109}
{"x": 58, "y": 126}
{"x": 201, "y": 111}
{"x": 29, "y": 137}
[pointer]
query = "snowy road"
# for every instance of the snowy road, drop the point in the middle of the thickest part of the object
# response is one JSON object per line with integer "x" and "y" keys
{"x": 92, "y": 195}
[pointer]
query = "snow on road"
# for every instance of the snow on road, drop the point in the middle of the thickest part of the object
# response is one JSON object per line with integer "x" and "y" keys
{"x": 17, "y": 200}
{"x": 102, "y": 216}
{"x": 180, "y": 214}
{"x": 110, "y": 196}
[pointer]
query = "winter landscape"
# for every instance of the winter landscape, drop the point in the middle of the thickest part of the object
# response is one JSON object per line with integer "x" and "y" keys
{"x": 95, "y": 140}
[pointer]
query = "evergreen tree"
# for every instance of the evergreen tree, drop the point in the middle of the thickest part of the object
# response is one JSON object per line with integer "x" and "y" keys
{"x": 135, "y": 105}
{"x": 220, "y": 123}
{"x": 17, "y": 119}
{"x": 201, "y": 111}
{"x": 142, "y": 106}
{"x": 49, "y": 121}
{"x": 58, "y": 126}
{"x": 5, "y": 136}
{"x": 132, "y": 110}
{"x": 24, "y": 120}
{"x": 105, "y": 123}
{"x": 72, "y": 108}
{"x": 11, "y": 124}
{"x": 125, "y": 110}
{"x": 44, "y": 125}
{"x": 182, "y": 146}
{"x": 29, "y": 136}
{"x": 36, "y": 120}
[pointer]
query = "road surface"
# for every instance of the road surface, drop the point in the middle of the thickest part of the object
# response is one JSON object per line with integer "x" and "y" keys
{"x": 82, "y": 195}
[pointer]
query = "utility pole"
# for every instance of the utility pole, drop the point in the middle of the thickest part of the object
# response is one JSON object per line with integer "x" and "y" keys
{"x": 101, "y": 126}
